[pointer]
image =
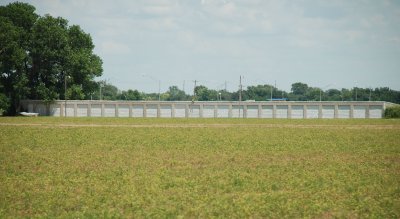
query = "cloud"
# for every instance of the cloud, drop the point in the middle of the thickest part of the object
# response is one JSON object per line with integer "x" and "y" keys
{"x": 114, "y": 48}
{"x": 251, "y": 34}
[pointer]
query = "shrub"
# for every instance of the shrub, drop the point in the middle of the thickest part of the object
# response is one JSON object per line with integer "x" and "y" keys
{"x": 392, "y": 112}
{"x": 4, "y": 103}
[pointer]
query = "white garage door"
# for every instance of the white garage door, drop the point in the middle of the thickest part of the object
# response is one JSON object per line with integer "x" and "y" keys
{"x": 252, "y": 111}
{"x": 223, "y": 111}
{"x": 165, "y": 111}
{"x": 55, "y": 110}
{"x": 194, "y": 111}
{"x": 375, "y": 112}
{"x": 344, "y": 112}
{"x": 312, "y": 112}
{"x": 237, "y": 111}
{"x": 109, "y": 110}
{"x": 267, "y": 111}
{"x": 359, "y": 112}
{"x": 151, "y": 110}
{"x": 137, "y": 110}
{"x": 297, "y": 112}
{"x": 81, "y": 110}
{"x": 281, "y": 112}
{"x": 208, "y": 111}
{"x": 180, "y": 111}
{"x": 123, "y": 110}
{"x": 96, "y": 110}
{"x": 328, "y": 112}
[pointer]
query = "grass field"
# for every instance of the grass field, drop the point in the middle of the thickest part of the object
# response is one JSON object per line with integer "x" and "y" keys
{"x": 157, "y": 168}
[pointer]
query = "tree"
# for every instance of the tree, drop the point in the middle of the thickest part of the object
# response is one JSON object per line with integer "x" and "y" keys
{"x": 38, "y": 53}
{"x": 16, "y": 21}
{"x": 312, "y": 94}
{"x": 201, "y": 93}
{"x": 346, "y": 94}
{"x": 109, "y": 92}
{"x": 4, "y": 103}
{"x": 299, "y": 88}
{"x": 301, "y": 92}
{"x": 175, "y": 94}
{"x": 130, "y": 95}
{"x": 259, "y": 92}
{"x": 204, "y": 94}
{"x": 333, "y": 95}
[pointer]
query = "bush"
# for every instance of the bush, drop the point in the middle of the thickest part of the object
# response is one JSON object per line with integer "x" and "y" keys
{"x": 4, "y": 103}
{"x": 392, "y": 112}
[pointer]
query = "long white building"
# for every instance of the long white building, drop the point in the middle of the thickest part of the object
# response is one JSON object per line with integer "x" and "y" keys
{"x": 214, "y": 109}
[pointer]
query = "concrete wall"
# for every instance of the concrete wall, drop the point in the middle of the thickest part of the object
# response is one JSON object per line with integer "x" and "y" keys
{"x": 221, "y": 109}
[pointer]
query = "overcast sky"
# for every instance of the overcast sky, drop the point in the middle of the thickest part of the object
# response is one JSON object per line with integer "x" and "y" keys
{"x": 326, "y": 44}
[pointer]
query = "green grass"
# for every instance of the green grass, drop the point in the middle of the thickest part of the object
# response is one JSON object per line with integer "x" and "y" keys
{"x": 347, "y": 168}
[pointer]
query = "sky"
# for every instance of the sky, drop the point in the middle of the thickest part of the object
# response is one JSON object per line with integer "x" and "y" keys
{"x": 325, "y": 44}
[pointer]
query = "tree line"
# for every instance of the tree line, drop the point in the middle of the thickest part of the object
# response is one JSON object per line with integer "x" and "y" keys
{"x": 299, "y": 92}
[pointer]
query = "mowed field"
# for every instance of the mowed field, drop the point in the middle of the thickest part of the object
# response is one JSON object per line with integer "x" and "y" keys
{"x": 157, "y": 168}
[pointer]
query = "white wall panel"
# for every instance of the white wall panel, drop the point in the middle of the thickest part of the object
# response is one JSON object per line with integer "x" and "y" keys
{"x": 123, "y": 110}
{"x": 297, "y": 112}
{"x": 237, "y": 111}
{"x": 208, "y": 111}
{"x": 165, "y": 111}
{"x": 180, "y": 110}
{"x": 96, "y": 110}
{"x": 194, "y": 111}
{"x": 359, "y": 112}
{"x": 109, "y": 110}
{"x": 375, "y": 112}
{"x": 81, "y": 110}
{"x": 151, "y": 110}
{"x": 281, "y": 111}
{"x": 223, "y": 111}
{"x": 137, "y": 111}
{"x": 55, "y": 110}
{"x": 344, "y": 112}
{"x": 252, "y": 111}
{"x": 328, "y": 112}
{"x": 70, "y": 110}
{"x": 312, "y": 111}
{"x": 267, "y": 111}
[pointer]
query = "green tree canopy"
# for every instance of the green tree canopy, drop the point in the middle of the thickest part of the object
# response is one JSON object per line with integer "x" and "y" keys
{"x": 174, "y": 93}
{"x": 37, "y": 55}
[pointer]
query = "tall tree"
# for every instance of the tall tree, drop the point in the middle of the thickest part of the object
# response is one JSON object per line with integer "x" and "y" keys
{"x": 39, "y": 54}
{"x": 299, "y": 88}
{"x": 16, "y": 22}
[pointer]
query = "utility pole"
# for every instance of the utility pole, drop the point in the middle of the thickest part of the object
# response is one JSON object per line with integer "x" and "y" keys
{"x": 356, "y": 90}
{"x": 320, "y": 95}
{"x": 370, "y": 90}
{"x": 194, "y": 89}
{"x": 271, "y": 92}
{"x": 240, "y": 94}
{"x": 65, "y": 95}
{"x": 356, "y": 93}
{"x": 225, "y": 86}
{"x": 100, "y": 92}
{"x": 183, "y": 88}
{"x": 159, "y": 90}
